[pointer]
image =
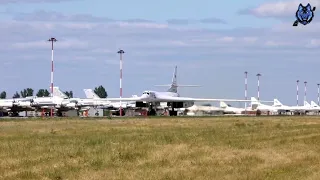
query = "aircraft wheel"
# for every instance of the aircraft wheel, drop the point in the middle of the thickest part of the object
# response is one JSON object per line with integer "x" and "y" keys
{"x": 59, "y": 114}
{"x": 173, "y": 113}
{"x": 152, "y": 112}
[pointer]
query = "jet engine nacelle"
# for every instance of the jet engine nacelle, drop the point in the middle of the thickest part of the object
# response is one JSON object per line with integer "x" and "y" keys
{"x": 180, "y": 104}
{"x": 141, "y": 104}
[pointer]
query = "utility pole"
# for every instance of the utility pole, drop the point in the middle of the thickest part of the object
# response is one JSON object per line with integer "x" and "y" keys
{"x": 52, "y": 40}
{"x": 121, "y": 52}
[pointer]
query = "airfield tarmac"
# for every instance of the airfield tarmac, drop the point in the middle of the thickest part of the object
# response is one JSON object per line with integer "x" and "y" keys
{"x": 263, "y": 147}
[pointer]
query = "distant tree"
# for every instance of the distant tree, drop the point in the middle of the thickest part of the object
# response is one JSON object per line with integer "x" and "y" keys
{"x": 3, "y": 95}
{"x": 26, "y": 92}
{"x": 206, "y": 104}
{"x": 40, "y": 93}
{"x": 43, "y": 93}
{"x": 69, "y": 94}
{"x": 16, "y": 95}
{"x": 46, "y": 93}
{"x": 101, "y": 91}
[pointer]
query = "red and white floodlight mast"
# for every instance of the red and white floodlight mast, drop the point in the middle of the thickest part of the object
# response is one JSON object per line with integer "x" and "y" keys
{"x": 121, "y": 52}
{"x": 318, "y": 94}
{"x": 298, "y": 92}
{"x": 258, "y": 75}
{"x": 305, "y": 91}
{"x": 245, "y": 89}
{"x": 52, "y": 40}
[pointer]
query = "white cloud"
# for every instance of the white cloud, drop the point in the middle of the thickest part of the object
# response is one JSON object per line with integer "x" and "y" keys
{"x": 143, "y": 25}
{"x": 279, "y": 8}
{"x": 193, "y": 21}
{"x": 314, "y": 43}
{"x": 250, "y": 39}
{"x": 226, "y": 39}
{"x": 33, "y": 1}
{"x": 70, "y": 43}
{"x": 278, "y": 43}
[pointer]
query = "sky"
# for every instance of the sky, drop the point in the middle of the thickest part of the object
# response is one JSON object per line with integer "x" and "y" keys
{"x": 212, "y": 42}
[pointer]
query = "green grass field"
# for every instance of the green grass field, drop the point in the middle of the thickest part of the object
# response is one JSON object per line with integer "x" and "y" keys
{"x": 161, "y": 148}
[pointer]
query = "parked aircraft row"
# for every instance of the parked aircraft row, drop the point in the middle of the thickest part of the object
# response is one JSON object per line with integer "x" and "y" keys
{"x": 152, "y": 100}
{"x": 276, "y": 108}
{"x": 59, "y": 101}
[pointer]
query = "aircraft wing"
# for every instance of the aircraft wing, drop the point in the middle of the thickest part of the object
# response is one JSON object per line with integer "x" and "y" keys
{"x": 177, "y": 99}
{"x": 122, "y": 99}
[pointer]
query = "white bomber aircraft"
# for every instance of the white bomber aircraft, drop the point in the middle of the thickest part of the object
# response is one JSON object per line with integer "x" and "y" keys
{"x": 315, "y": 106}
{"x": 81, "y": 102}
{"x": 305, "y": 108}
{"x": 60, "y": 104}
{"x": 207, "y": 109}
{"x": 278, "y": 107}
{"x": 90, "y": 94}
{"x": 171, "y": 96}
{"x": 232, "y": 110}
{"x": 15, "y": 105}
{"x": 46, "y": 103}
{"x": 256, "y": 105}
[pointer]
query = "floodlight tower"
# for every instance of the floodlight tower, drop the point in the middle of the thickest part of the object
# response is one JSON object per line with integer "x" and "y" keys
{"x": 52, "y": 40}
{"x": 318, "y": 94}
{"x": 120, "y": 52}
{"x": 245, "y": 90}
{"x": 305, "y": 91}
{"x": 258, "y": 75}
{"x": 298, "y": 92}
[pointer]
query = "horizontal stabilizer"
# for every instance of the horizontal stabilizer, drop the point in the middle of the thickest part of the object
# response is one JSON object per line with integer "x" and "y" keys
{"x": 168, "y": 85}
{"x": 255, "y": 101}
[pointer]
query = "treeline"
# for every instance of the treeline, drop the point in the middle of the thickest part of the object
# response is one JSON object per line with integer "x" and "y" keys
{"x": 100, "y": 91}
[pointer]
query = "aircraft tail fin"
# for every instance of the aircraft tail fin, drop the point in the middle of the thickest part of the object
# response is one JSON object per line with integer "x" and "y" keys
{"x": 313, "y": 104}
{"x": 223, "y": 104}
{"x": 58, "y": 93}
{"x": 174, "y": 85}
{"x": 276, "y": 102}
{"x": 254, "y": 101}
{"x": 306, "y": 104}
{"x": 91, "y": 94}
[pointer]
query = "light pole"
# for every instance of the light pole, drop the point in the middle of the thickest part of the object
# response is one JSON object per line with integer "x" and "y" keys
{"x": 305, "y": 91}
{"x": 297, "y": 92}
{"x": 318, "y": 94}
{"x": 245, "y": 91}
{"x": 52, "y": 40}
{"x": 121, "y": 52}
{"x": 258, "y": 75}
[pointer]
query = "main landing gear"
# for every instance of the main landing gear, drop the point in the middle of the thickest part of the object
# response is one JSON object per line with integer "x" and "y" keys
{"x": 152, "y": 111}
{"x": 173, "y": 112}
{"x": 14, "y": 114}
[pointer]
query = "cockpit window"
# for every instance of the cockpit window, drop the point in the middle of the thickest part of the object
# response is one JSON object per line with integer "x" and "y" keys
{"x": 146, "y": 93}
